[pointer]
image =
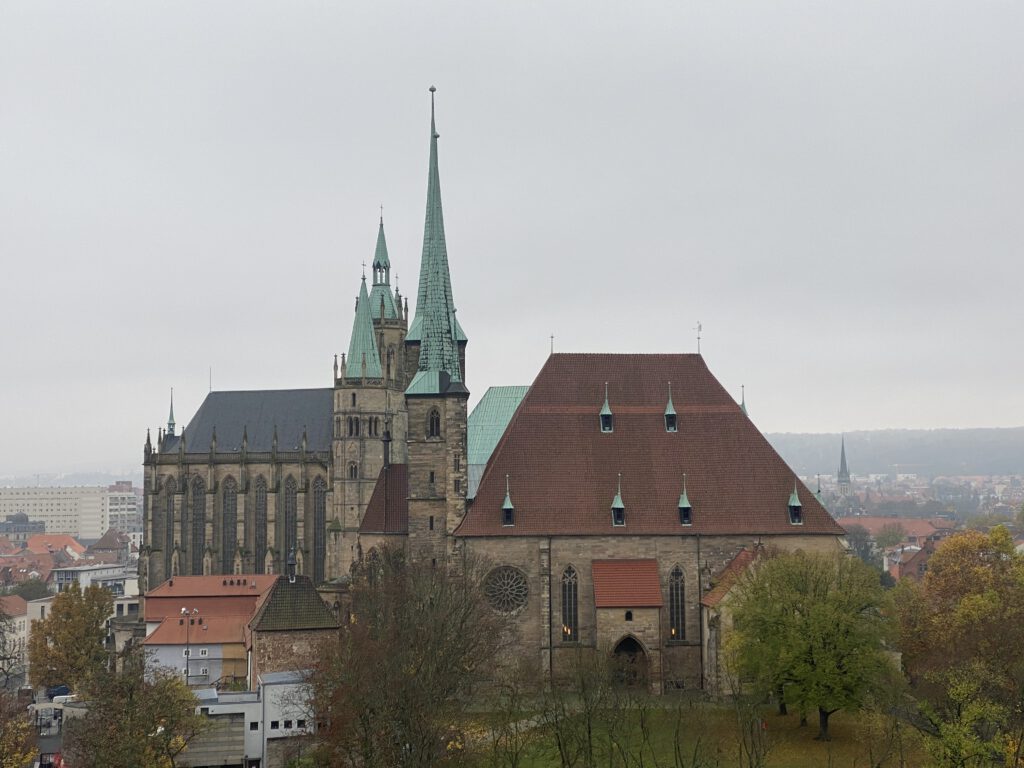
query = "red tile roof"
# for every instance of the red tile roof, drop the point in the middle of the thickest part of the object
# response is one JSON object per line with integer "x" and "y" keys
{"x": 730, "y": 575}
{"x": 388, "y": 510}
{"x": 626, "y": 584}
{"x": 13, "y": 605}
{"x": 238, "y": 597}
{"x": 50, "y": 542}
{"x": 563, "y": 469}
{"x": 217, "y": 630}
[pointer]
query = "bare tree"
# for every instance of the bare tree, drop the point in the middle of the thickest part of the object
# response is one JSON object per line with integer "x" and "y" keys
{"x": 393, "y": 687}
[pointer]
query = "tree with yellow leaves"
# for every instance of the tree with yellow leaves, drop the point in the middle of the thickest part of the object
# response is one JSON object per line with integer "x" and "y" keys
{"x": 68, "y": 645}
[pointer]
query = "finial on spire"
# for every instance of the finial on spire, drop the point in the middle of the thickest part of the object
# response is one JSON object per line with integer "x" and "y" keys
{"x": 698, "y": 329}
{"x": 743, "y": 399}
{"x": 620, "y": 483}
{"x": 382, "y": 214}
{"x": 552, "y": 343}
{"x": 364, "y": 271}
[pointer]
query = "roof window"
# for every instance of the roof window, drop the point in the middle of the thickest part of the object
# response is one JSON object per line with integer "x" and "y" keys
{"x": 796, "y": 515}
{"x": 671, "y": 422}
{"x": 618, "y": 508}
{"x": 607, "y": 423}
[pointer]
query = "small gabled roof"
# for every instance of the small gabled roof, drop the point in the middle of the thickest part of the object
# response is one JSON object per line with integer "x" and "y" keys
{"x": 626, "y": 584}
{"x": 729, "y": 575}
{"x": 293, "y": 606}
{"x": 388, "y": 509}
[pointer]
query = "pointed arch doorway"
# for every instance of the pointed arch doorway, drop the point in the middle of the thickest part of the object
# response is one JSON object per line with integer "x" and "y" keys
{"x": 632, "y": 666}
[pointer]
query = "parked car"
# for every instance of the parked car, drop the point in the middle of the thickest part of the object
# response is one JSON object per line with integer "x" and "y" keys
{"x": 57, "y": 690}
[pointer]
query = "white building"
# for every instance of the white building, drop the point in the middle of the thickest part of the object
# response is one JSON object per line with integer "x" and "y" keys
{"x": 254, "y": 729}
{"x": 85, "y": 512}
{"x": 117, "y": 579}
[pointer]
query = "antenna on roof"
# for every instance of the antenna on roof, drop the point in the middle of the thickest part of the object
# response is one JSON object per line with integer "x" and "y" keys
{"x": 552, "y": 343}
{"x": 698, "y": 329}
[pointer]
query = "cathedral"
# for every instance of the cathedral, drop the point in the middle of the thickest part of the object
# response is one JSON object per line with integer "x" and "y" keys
{"x": 609, "y": 495}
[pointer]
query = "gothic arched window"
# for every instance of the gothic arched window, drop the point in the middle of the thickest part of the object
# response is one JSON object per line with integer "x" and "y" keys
{"x": 259, "y": 538}
{"x": 229, "y": 526}
{"x": 434, "y": 423}
{"x": 198, "y": 539}
{"x": 676, "y": 607}
{"x": 291, "y": 502}
{"x": 570, "y": 605}
{"x": 351, "y": 429}
{"x": 319, "y": 528}
{"x": 169, "y": 528}
{"x": 353, "y": 471}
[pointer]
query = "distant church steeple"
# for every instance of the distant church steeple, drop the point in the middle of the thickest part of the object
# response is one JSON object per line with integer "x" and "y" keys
{"x": 170, "y": 416}
{"x": 843, "y": 477}
{"x": 382, "y": 300}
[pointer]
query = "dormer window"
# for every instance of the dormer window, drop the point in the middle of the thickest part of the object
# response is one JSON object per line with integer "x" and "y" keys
{"x": 686, "y": 515}
{"x": 508, "y": 512}
{"x": 606, "y": 413}
{"x": 670, "y": 412}
{"x": 796, "y": 514}
{"x": 618, "y": 508}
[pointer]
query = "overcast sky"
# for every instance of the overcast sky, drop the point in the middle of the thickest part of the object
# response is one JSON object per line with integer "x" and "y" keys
{"x": 834, "y": 189}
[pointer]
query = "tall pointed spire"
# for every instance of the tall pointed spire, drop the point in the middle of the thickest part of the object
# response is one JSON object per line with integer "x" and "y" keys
{"x": 170, "y": 416}
{"x": 843, "y": 477}
{"x": 382, "y": 301}
{"x": 362, "y": 348}
{"x": 434, "y": 325}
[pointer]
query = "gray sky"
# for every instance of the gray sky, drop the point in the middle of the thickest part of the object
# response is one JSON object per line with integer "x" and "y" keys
{"x": 832, "y": 188}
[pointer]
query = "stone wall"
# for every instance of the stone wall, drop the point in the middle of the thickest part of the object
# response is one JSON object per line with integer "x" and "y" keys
{"x": 287, "y": 651}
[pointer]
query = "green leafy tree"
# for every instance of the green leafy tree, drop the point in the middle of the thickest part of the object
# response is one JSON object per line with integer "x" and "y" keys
{"x": 391, "y": 689}
{"x": 811, "y": 628}
{"x": 862, "y": 545}
{"x": 31, "y": 589}
{"x": 960, "y": 628}
{"x": 890, "y": 535}
{"x": 68, "y": 645}
{"x": 136, "y": 717}
{"x": 15, "y": 733}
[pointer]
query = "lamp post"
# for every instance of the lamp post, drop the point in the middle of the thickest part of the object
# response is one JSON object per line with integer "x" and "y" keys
{"x": 188, "y": 618}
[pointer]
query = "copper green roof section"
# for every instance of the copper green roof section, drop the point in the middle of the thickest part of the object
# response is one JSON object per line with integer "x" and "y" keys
{"x": 382, "y": 300}
{"x": 433, "y": 306}
{"x": 670, "y": 409}
{"x": 617, "y": 501}
{"x": 362, "y": 347}
{"x": 507, "y": 504}
{"x": 684, "y": 500}
{"x": 489, "y": 419}
{"x": 605, "y": 410}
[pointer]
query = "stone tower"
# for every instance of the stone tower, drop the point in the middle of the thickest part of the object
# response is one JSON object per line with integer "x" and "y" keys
{"x": 436, "y": 396}
{"x": 369, "y": 406}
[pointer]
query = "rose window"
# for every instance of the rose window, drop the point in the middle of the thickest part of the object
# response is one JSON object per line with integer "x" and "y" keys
{"x": 506, "y": 589}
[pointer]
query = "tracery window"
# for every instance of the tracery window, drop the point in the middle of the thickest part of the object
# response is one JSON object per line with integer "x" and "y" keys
{"x": 676, "y": 606}
{"x": 169, "y": 528}
{"x": 434, "y": 424}
{"x": 198, "y": 540}
{"x": 291, "y": 501}
{"x": 353, "y": 471}
{"x": 260, "y": 525}
{"x": 570, "y": 605}
{"x": 229, "y": 526}
{"x": 506, "y": 589}
{"x": 319, "y": 528}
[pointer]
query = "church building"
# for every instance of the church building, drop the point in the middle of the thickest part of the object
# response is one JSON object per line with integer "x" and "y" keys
{"x": 608, "y": 495}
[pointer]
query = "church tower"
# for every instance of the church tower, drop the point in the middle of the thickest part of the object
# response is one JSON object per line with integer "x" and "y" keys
{"x": 843, "y": 478}
{"x": 369, "y": 406}
{"x": 436, "y": 396}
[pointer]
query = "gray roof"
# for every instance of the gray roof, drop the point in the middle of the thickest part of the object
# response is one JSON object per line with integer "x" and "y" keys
{"x": 258, "y": 411}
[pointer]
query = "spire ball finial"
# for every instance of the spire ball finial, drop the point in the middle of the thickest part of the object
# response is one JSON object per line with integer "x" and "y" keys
{"x": 432, "y": 89}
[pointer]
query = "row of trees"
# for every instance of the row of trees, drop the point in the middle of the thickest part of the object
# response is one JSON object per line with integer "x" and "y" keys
{"x": 942, "y": 654}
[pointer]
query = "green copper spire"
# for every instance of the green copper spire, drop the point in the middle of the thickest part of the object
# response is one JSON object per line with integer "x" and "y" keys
{"x": 170, "y": 417}
{"x": 794, "y": 498}
{"x": 363, "y": 345}
{"x": 617, "y": 501}
{"x": 380, "y": 295}
{"x": 435, "y": 326}
{"x": 684, "y": 500}
{"x": 743, "y": 399}
{"x": 434, "y": 262}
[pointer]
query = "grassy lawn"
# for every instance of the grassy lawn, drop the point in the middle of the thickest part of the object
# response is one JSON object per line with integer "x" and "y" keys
{"x": 714, "y": 729}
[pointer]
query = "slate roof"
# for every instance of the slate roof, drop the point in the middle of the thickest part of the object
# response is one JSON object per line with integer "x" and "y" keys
{"x": 388, "y": 510}
{"x": 258, "y": 411}
{"x": 626, "y": 584}
{"x": 293, "y": 606}
{"x": 564, "y": 470}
